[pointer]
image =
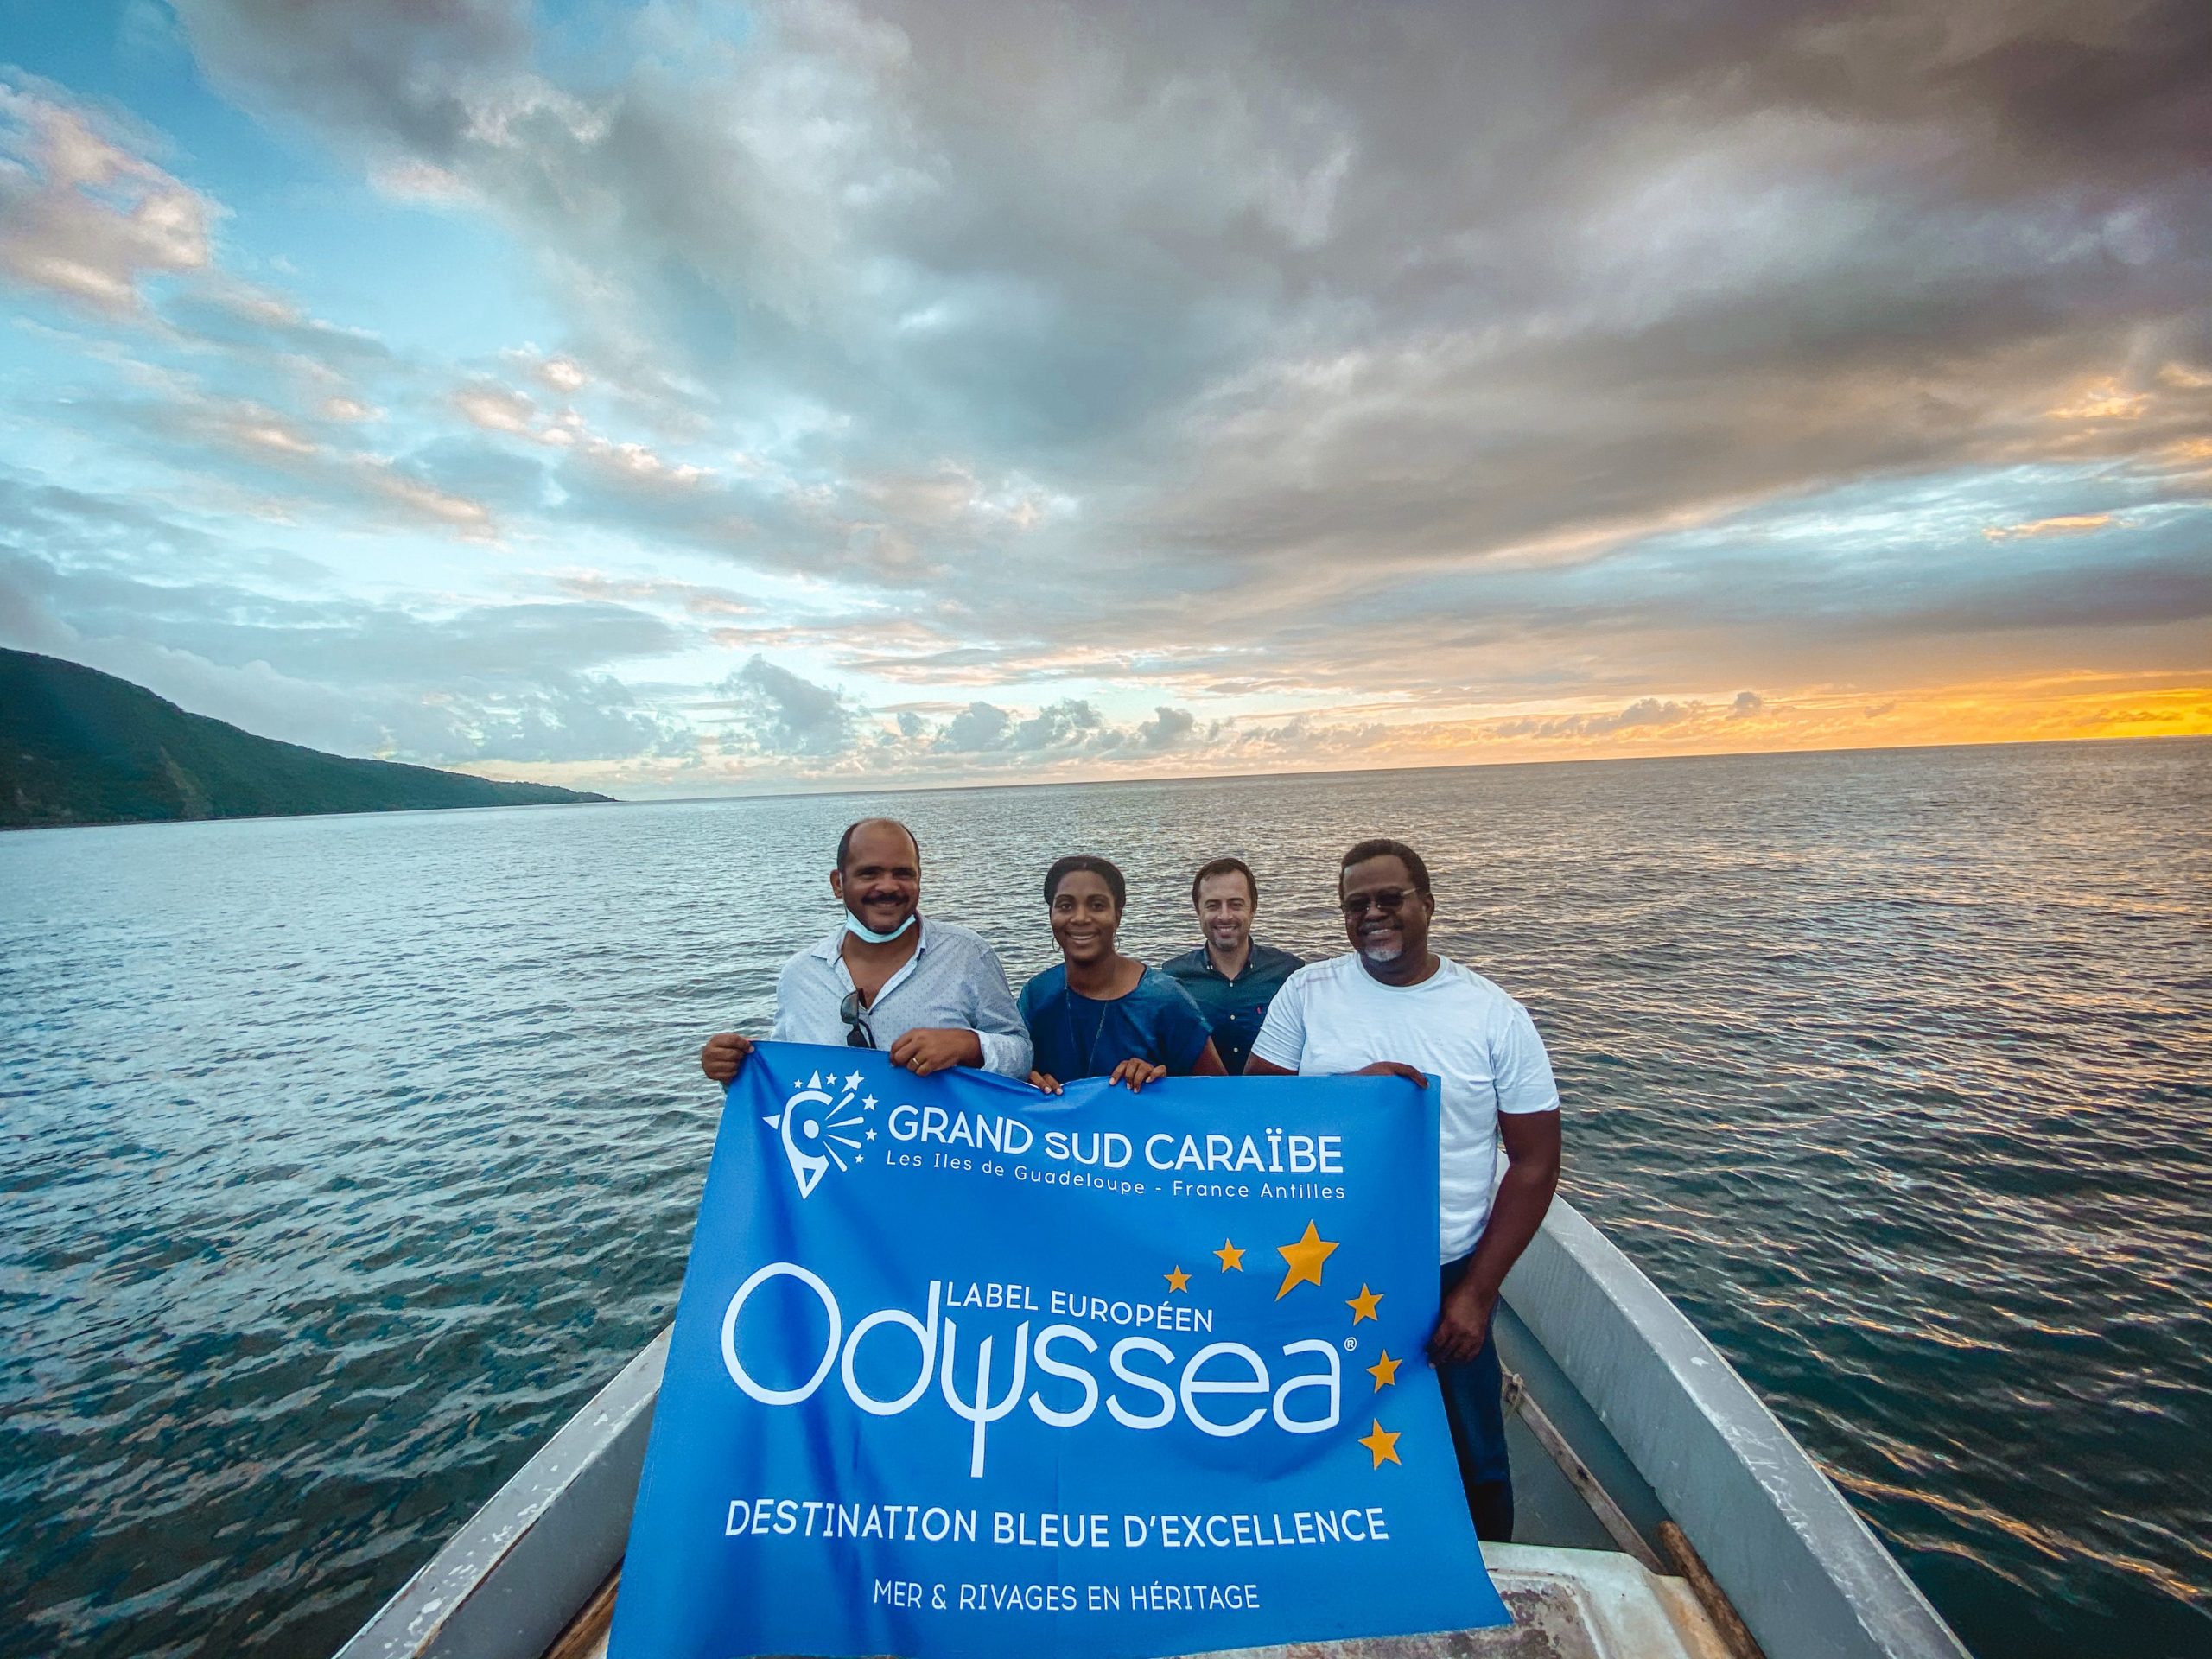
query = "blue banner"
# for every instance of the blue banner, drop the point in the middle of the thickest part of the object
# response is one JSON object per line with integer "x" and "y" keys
{"x": 961, "y": 1368}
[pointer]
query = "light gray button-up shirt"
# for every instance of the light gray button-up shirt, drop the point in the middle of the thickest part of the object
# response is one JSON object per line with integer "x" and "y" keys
{"x": 953, "y": 980}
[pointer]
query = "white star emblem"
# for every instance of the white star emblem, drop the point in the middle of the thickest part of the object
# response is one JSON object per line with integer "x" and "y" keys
{"x": 854, "y": 1081}
{"x": 871, "y": 1134}
{"x": 868, "y": 1101}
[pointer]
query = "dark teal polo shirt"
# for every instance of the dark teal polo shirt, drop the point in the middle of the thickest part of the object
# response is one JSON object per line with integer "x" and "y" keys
{"x": 1235, "y": 1007}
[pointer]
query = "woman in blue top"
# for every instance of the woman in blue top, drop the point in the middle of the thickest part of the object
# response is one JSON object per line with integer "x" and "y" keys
{"x": 1101, "y": 1014}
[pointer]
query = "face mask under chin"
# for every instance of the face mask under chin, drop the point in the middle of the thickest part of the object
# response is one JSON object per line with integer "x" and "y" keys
{"x": 860, "y": 929}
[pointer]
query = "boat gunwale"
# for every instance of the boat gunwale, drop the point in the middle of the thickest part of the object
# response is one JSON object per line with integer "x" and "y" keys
{"x": 512, "y": 1578}
{"x": 1802, "y": 1566}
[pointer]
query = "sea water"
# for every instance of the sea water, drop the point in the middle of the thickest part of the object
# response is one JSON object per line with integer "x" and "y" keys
{"x": 342, "y": 1158}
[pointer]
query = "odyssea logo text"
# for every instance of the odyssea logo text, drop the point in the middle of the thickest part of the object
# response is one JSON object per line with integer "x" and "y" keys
{"x": 1298, "y": 1387}
{"x": 821, "y": 1125}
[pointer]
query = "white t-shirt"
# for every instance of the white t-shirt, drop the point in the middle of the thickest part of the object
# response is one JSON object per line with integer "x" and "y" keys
{"x": 1335, "y": 1016}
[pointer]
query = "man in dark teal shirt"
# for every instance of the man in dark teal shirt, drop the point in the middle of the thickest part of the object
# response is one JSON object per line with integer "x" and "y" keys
{"x": 1231, "y": 979}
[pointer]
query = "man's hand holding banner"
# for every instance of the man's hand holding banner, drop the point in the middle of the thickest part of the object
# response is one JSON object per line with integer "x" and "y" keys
{"x": 960, "y": 1369}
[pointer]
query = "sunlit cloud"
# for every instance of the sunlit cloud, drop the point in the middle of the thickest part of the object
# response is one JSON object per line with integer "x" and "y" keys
{"x": 2107, "y": 400}
{"x": 2067, "y": 524}
{"x": 82, "y": 215}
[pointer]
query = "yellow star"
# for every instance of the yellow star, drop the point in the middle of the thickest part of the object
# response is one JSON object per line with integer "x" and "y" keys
{"x": 1383, "y": 1443}
{"x": 1180, "y": 1279}
{"x": 1305, "y": 1258}
{"x": 1384, "y": 1370}
{"x": 1362, "y": 1306}
{"x": 1230, "y": 1257}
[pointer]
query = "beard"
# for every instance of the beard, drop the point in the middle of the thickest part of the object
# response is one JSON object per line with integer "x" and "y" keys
{"x": 1377, "y": 950}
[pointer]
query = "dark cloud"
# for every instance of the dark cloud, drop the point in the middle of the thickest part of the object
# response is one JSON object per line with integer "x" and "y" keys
{"x": 1645, "y": 711}
{"x": 2111, "y": 92}
{"x": 1168, "y": 729}
{"x": 259, "y": 639}
{"x": 80, "y": 524}
{"x": 1810, "y": 588}
{"x": 555, "y": 718}
{"x": 441, "y": 716}
{"x": 252, "y": 320}
{"x": 1587, "y": 357}
{"x": 504, "y": 483}
{"x": 775, "y": 711}
{"x": 976, "y": 729}
{"x": 1071, "y": 725}
{"x": 767, "y": 711}
{"x": 1426, "y": 285}
{"x": 412, "y": 68}
{"x": 1056, "y": 726}
{"x": 317, "y": 462}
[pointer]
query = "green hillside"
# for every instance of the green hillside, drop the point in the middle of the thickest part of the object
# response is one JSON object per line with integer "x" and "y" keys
{"x": 80, "y": 746}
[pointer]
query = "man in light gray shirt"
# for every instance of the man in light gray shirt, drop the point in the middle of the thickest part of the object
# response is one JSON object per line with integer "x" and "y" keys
{"x": 932, "y": 994}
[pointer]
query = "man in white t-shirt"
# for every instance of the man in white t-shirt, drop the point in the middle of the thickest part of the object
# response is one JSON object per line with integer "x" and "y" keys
{"x": 1394, "y": 1008}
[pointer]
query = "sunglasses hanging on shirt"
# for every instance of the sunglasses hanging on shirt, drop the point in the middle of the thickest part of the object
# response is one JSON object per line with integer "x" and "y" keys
{"x": 858, "y": 1033}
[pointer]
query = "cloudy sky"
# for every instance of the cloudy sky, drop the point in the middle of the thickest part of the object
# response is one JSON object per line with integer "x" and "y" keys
{"x": 689, "y": 397}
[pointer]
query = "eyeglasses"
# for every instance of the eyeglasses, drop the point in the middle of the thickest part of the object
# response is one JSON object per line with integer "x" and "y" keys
{"x": 857, "y": 1032}
{"x": 1388, "y": 900}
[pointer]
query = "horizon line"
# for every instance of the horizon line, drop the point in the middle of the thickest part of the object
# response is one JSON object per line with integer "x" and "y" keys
{"x": 802, "y": 793}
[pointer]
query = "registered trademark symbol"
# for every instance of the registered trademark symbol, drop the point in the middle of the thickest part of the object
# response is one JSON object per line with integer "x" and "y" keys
{"x": 1351, "y": 1344}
